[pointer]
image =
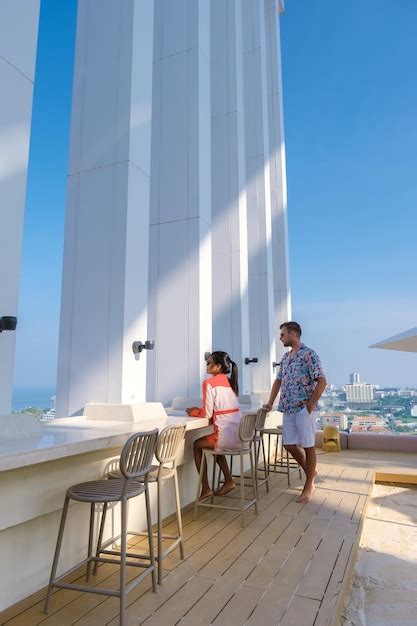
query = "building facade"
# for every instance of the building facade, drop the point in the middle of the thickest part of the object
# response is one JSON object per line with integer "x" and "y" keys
{"x": 354, "y": 378}
{"x": 176, "y": 217}
{"x": 334, "y": 419}
{"x": 176, "y": 225}
{"x": 18, "y": 43}
{"x": 362, "y": 393}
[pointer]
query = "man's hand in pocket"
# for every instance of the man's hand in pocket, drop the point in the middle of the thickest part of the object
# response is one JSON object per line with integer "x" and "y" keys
{"x": 310, "y": 407}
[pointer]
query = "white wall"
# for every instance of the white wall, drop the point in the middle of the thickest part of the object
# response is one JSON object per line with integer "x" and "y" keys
{"x": 18, "y": 42}
{"x": 277, "y": 170}
{"x": 212, "y": 199}
{"x": 105, "y": 271}
{"x": 228, "y": 192}
{"x": 180, "y": 309}
{"x": 261, "y": 305}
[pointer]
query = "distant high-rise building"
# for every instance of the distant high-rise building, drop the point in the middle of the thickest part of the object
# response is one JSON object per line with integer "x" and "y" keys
{"x": 359, "y": 392}
{"x": 354, "y": 378}
{"x": 407, "y": 393}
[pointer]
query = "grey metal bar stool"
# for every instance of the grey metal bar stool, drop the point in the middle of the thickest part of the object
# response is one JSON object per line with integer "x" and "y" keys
{"x": 246, "y": 435}
{"x": 135, "y": 461}
{"x": 258, "y": 441}
{"x": 279, "y": 461}
{"x": 167, "y": 449}
{"x": 260, "y": 445}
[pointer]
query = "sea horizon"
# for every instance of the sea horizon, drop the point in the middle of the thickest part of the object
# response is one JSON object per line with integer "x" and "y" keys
{"x": 34, "y": 397}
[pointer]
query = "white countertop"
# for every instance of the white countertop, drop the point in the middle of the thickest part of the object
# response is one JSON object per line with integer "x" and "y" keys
{"x": 76, "y": 435}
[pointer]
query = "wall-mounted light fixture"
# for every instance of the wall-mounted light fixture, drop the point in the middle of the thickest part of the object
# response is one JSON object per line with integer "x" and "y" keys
{"x": 138, "y": 346}
{"x": 253, "y": 360}
{"x": 7, "y": 322}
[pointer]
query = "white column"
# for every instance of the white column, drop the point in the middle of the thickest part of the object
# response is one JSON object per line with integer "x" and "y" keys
{"x": 229, "y": 220}
{"x": 18, "y": 42}
{"x": 282, "y": 293}
{"x": 105, "y": 274}
{"x": 261, "y": 304}
{"x": 180, "y": 242}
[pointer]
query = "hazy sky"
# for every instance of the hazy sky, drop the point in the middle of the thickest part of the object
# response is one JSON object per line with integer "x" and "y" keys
{"x": 350, "y": 102}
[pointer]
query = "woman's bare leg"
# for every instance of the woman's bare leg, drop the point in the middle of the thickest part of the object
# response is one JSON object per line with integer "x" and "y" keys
{"x": 199, "y": 444}
{"x": 229, "y": 483}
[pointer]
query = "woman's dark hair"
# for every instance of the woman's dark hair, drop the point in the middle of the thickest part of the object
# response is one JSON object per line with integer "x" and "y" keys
{"x": 228, "y": 367}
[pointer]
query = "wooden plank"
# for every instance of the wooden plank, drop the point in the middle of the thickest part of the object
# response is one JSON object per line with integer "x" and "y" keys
{"x": 213, "y": 602}
{"x": 149, "y": 603}
{"x": 61, "y": 598}
{"x": 406, "y": 478}
{"x": 212, "y": 538}
{"x": 333, "y": 479}
{"x": 180, "y": 603}
{"x": 315, "y": 580}
{"x": 326, "y": 613}
{"x": 300, "y": 611}
{"x": 271, "y": 606}
{"x": 331, "y": 503}
{"x": 274, "y": 601}
{"x": 257, "y": 533}
{"x": 268, "y": 568}
{"x": 238, "y": 610}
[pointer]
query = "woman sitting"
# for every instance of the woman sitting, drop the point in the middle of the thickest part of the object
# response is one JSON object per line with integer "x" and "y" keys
{"x": 220, "y": 403}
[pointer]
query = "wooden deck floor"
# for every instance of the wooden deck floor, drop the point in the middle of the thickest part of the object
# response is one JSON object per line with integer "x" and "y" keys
{"x": 287, "y": 566}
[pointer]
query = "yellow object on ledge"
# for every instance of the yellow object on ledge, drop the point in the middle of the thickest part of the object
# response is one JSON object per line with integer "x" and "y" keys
{"x": 331, "y": 439}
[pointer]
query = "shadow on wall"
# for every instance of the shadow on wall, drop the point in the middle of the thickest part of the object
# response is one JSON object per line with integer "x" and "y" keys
{"x": 99, "y": 363}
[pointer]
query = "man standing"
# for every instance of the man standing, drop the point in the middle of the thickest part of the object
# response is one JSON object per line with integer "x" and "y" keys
{"x": 301, "y": 380}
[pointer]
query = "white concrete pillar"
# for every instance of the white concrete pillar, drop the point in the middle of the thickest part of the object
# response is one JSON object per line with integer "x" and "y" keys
{"x": 105, "y": 273}
{"x": 19, "y": 21}
{"x": 228, "y": 192}
{"x": 261, "y": 297}
{"x": 280, "y": 260}
{"x": 180, "y": 316}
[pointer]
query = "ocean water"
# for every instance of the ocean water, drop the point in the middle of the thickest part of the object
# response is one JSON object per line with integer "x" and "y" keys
{"x": 38, "y": 398}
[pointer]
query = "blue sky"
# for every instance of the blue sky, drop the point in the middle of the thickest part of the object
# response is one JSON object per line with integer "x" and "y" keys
{"x": 350, "y": 102}
{"x": 37, "y": 339}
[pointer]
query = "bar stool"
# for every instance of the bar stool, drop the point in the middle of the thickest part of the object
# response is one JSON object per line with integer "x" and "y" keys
{"x": 135, "y": 461}
{"x": 272, "y": 467}
{"x": 167, "y": 448}
{"x": 246, "y": 436}
{"x": 259, "y": 445}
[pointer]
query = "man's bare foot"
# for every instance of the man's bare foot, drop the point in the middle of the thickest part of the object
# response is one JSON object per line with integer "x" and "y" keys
{"x": 306, "y": 495}
{"x": 226, "y": 488}
{"x": 205, "y": 493}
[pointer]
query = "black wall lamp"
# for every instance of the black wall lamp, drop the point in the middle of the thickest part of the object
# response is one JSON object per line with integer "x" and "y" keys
{"x": 7, "y": 322}
{"x": 248, "y": 360}
{"x": 138, "y": 346}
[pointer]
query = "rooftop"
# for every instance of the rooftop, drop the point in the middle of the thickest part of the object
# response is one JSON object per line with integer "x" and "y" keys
{"x": 291, "y": 564}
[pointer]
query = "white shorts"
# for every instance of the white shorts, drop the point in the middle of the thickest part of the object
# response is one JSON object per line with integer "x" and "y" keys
{"x": 299, "y": 428}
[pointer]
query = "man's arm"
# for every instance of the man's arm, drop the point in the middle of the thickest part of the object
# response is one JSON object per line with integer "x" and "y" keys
{"x": 316, "y": 395}
{"x": 274, "y": 392}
